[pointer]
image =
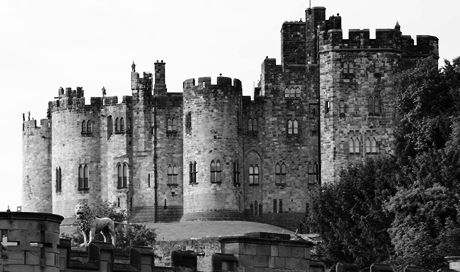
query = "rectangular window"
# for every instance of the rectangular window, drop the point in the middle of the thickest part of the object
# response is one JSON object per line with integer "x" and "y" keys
{"x": 280, "y": 202}
{"x": 275, "y": 206}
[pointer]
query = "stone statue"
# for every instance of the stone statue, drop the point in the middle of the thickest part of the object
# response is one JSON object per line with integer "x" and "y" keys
{"x": 91, "y": 224}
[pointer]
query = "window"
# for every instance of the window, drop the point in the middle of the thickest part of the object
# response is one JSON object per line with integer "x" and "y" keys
{"x": 109, "y": 126}
{"x": 255, "y": 208}
{"x": 275, "y": 206}
{"x": 374, "y": 105}
{"x": 89, "y": 127}
{"x": 314, "y": 129}
{"x": 260, "y": 209}
{"x": 292, "y": 92}
{"x": 83, "y": 174}
{"x": 313, "y": 172}
{"x": 371, "y": 145}
{"x": 280, "y": 209}
{"x": 116, "y": 125}
{"x": 172, "y": 175}
{"x": 293, "y": 127}
{"x": 122, "y": 124}
{"x": 170, "y": 125}
{"x": 188, "y": 123}
{"x": 192, "y": 172}
{"x": 83, "y": 127}
{"x": 354, "y": 145}
{"x": 58, "y": 180}
{"x": 327, "y": 106}
{"x": 280, "y": 173}
{"x": 252, "y": 125}
{"x": 125, "y": 175}
{"x": 148, "y": 180}
{"x": 216, "y": 172}
{"x": 254, "y": 174}
{"x": 122, "y": 174}
{"x": 236, "y": 173}
{"x": 348, "y": 68}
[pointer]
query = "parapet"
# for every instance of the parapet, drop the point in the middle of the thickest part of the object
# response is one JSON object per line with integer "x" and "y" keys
{"x": 386, "y": 39}
{"x": 141, "y": 83}
{"x": 205, "y": 82}
{"x": 30, "y": 125}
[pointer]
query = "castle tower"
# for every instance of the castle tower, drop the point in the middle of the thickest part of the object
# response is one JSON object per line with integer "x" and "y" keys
{"x": 211, "y": 145}
{"x": 75, "y": 150}
{"x": 160, "y": 78}
{"x": 36, "y": 154}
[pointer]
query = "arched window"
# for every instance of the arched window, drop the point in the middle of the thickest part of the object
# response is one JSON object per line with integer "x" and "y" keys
{"x": 89, "y": 127}
{"x": 172, "y": 175}
{"x": 287, "y": 92}
{"x": 295, "y": 127}
{"x": 125, "y": 175}
{"x": 368, "y": 145}
{"x": 370, "y": 105}
{"x": 109, "y": 126}
{"x": 120, "y": 176}
{"x": 122, "y": 124}
{"x": 351, "y": 145}
{"x": 275, "y": 206}
{"x": 289, "y": 127}
{"x": 58, "y": 180}
{"x": 116, "y": 125}
{"x": 373, "y": 145}
{"x": 216, "y": 171}
{"x": 297, "y": 92}
{"x": 83, "y": 174}
{"x": 254, "y": 174}
{"x": 83, "y": 127}
{"x": 175, "y": 174}
{"x": 313, "y": 172}
{"x": 170, "y": 172}
{"x": 255, "y": 208}
{"x": 280, "y": 173}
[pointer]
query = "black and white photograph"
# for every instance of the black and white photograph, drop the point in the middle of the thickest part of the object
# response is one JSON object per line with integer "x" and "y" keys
{"x": 219, "y": 136}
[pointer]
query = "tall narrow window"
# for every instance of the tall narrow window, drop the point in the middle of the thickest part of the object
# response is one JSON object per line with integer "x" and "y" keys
{"x": 89, "y": 127}
{"x": 125, "y": 175}
{"x": 175, "y": 174}
{"x": 109, "y": 126}
{"x": 58, "y": 180}
{"x": 280, "y": 202}
{"x": 192, "y": 172}
{"x": 120, "y": 176}
{"x": 116, "y": 125}
{"x": 236, "y": 173}
{"x": 170, "y": 174}
{"x": 260, "y": 209}
{"x": 370, "y": 105}
{"x": 295, "y": 127}
{"x": 341, "y": 109}
{"x": 255, "y": 207}
{"x": 368, "y": 145}
{"x": 148, "y": 180}
{"x": 351, "y": 145}
{"x": 275, "y": 206}
{"x": 122, "y": 124}
{"x": 250, "y": 125}
{"x": 83, "y": 127}
{"x": 85, "y": 176}
{"x": 280, "y": 173}
{"x": 373, "y": 145}
{"x": 171, "y": 126}
{"x": 327, "y": 106}
{"x": 188, "y": 123}
{"x": 290, "y": 127}
{"x": 252, "y": 209}
{"x": 215, "y": 171}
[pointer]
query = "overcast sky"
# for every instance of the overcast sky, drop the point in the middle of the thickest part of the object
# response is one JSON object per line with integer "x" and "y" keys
{"x": 48, "y": 44}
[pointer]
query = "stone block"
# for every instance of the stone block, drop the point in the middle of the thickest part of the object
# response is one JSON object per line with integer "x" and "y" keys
{"x": 284, "y": 251}
{"x": 263, "y": 250}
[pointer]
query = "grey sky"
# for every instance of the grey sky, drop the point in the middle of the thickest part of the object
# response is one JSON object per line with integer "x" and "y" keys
{"x": 47, "y": 44}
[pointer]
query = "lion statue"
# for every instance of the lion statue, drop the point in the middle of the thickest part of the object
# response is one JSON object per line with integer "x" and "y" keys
{"x": 91, "y": 224}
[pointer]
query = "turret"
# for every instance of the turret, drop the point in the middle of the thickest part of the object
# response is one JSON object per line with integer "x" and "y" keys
{"x": 36, "y": 154}
{"x": 141, "y": 86}
{"x": 160, "y": 78}
{"x": 212, "y": 146}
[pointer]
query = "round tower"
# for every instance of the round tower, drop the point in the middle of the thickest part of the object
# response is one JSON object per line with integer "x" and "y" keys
{"x": 212, "y": 149}
{"x": 36, "y": 154}
{"x": 75, "y": 148}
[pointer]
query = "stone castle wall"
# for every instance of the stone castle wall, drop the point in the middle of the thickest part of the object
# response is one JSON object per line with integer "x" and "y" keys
{"x": 36, "y": 193}
{"x": 339, "y": 92}
{"x": 212, "y": 136}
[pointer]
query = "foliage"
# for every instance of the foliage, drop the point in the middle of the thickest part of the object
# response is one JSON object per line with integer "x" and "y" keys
{"x": 135, "y": 235}
{"x": 404, "y": 210}
{"x": 349, "y": 214}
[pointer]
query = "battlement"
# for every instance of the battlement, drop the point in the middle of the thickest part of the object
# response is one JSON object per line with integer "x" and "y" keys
{"x": 205, "y": 82}
{"x": 387, "y": 39}
{"x": 45, "y": 124}
{"x": 141, "y": 83}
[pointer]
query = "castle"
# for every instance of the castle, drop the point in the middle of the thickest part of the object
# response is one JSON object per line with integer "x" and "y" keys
{"x": 211, "y": 153}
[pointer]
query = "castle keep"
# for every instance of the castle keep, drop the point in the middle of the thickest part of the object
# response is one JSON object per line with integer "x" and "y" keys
{"x": 211, "y": 153}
